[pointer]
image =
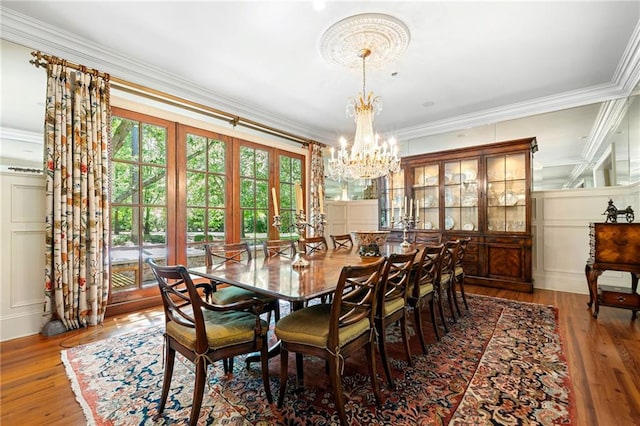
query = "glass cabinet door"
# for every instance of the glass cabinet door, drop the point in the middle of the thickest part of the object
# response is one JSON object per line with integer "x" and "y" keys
{"x": 506, "y": 193}
{"x": 461, "y": 195}
{"x": 426, "y": 193}
{"x": 392, "y": 200}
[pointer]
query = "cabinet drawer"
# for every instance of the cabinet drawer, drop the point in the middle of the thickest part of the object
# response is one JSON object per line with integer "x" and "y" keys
{"x": 618, "y": 296}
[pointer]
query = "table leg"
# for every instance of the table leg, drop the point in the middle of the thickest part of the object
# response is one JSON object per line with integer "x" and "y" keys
{"x": 592, "y": 280}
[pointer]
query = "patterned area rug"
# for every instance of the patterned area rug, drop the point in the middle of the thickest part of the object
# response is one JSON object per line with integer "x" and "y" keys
{"x": 501, "y": 363}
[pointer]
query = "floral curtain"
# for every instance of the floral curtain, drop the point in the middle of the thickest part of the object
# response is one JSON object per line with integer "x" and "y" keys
{"x": 316, "y": 186}
{"x": 76, "y": 168}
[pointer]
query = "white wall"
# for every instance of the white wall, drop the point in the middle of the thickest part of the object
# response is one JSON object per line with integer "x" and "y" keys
{"x": 561, "y": 235}
{"x": 346, "y": 216}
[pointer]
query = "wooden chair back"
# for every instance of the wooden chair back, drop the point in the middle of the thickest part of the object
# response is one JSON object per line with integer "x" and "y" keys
{"x": 427, "y": 237}
{"x": 343, "y": 241}
{"x": 279, "y": 248}
{"x": 314, "y": 245}
{"x": 355, "y": 297}
{"x": 396, "y": 280}
{"x": 427, "y": 270}
{"x": 220, "y": 253}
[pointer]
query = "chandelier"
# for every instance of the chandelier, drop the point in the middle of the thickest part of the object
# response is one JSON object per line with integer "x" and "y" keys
{"x": 350, "y": 42}
{"x": 368, "y": 159}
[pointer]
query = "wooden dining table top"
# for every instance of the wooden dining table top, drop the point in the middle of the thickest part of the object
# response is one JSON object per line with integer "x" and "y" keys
{"x": 276, "y": 276}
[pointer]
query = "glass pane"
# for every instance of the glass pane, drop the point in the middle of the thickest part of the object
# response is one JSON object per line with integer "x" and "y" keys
{"x": 296, "y": 169}
{"x": 262, "y": 192}
{"x": 515, "y": 167}
{"x": 154, "y": 144}
{"x": 124, "y": 226}
{"x": 285, "y": 169}
{"x": 195, "y": 225}
{"x": 124, "y": 139}
{"x": 195, "y": 255}
{"x": 262, "y": 224}
{"x": 124, "y": 268}
{"x": 247, "y": 191}
{"x": 247, "y": 162}
{"x": 216, "y": 224}
{"x": 196, "y": 189}
{"x": 154, "y": 187}
{"x": 125, "y": 183}
{"x": 286, "y": 196}
{"x": 155, "y": 225}
{"x": 216, "y": 191}
{"x": 216, "y": 156}
{"x": 262, "y": 164}
{"x": 196, "y": 152}
{"x": 248, "y": 227}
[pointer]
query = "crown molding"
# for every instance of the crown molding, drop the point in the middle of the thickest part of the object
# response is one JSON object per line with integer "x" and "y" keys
{"x": 35, "y": 34}
{"x": 17, "y": 135}
{"x": 21, "y": 29}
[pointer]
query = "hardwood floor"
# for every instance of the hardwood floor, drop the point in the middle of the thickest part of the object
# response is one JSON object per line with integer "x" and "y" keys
{"x": 603, "y": 357}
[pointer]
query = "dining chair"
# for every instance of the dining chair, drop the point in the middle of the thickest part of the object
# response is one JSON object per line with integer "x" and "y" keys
{"x": 392, "y": 304}
{"x": 205, "y": 333}
{"x": 218, "y": 255}
{"x": 314, "y": 245}
{"x": 343, "y": 241}
{"x": 279, "y": 248}
{"x": 427, "y": 237}
{"x": 423, "y": 290}
{"x": 445, "y": 282}
{"x": 335, "y": 331}
{"x": 458, "y": 270}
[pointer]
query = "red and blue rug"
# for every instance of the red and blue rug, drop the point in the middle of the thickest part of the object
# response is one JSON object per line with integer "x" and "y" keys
{"x": 502, "y": 363}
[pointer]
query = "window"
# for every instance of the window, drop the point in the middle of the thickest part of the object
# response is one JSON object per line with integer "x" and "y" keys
{"x": 290, "y": 173}
{"x": 176, "y": 187}
{"x": 254, "y": 194}
{"x": 205, "y": 193}
{"x": 140, "y": 213}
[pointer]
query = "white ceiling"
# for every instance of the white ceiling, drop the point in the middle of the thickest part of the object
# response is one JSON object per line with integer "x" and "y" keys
{"x": 468, "y": 63}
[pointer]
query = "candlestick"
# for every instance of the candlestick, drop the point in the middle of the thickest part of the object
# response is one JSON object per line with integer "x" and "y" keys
{"x": 406, "y": 206}
{"x": 410, "y": 207}
{"x": 275, "y": 202}
{"x": 298, "y": 191}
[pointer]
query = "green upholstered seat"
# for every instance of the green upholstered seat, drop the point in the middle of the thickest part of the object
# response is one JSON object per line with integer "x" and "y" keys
{"x": 310, "y": 326}
{"x": 231, "y": 294}
{"x": 223, "y": 329}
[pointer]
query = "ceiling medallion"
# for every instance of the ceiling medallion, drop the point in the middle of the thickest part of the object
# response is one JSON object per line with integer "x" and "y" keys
{"x": 385, "y": 36}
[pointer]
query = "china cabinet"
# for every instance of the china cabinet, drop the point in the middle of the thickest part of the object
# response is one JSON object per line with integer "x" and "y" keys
{"x": 481, "y": 192}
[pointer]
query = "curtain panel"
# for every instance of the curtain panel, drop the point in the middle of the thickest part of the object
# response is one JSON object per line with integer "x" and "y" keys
{"x": 76, "y": 156}
{"x": 317, "y": 182}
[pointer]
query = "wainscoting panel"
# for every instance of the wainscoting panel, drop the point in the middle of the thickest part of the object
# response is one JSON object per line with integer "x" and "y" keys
{"x": 21, "y": 254}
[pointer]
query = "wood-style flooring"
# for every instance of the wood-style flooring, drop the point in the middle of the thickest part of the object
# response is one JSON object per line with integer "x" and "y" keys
{"x": 603, "y": 357}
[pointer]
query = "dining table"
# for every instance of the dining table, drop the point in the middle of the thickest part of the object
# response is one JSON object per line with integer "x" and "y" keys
{"x": 278, "y": 277}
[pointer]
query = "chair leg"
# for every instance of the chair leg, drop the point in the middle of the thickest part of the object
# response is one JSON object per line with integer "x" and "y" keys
{"x": 382, "y": 348}
{"x": 432, "y": 308}
{"x": 170, "y": 356}
{"x": 371, "y": 358}
{"x": 264, "y": 358}
{"x": 452, "y": 292}
{"x": 464, "y": 297}
{"x": 418, "y": 320}
{"x": 198, "y": 391}
{"x": 405, "y": 338}
{"x": 336, "y": 385}
{"x": 276, "y": 311}
{"x": 284, "y": 365}
{"x": 441, "y": 309}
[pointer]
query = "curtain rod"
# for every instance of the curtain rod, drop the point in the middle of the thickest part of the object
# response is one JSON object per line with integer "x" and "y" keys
{"x": 41, "y": 60}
